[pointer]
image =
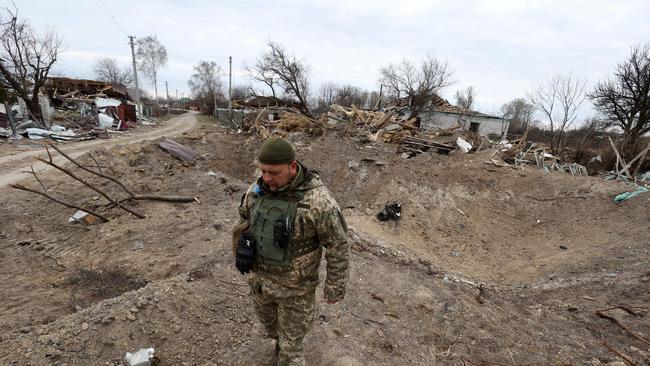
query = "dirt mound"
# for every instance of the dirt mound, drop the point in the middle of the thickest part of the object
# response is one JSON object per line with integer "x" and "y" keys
{"x": 486, "y": 266}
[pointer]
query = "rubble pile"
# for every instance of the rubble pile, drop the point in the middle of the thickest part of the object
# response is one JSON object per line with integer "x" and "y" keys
{"x": 280, "y": 121}
{"x": 396, "y": 124}
{"x": 88, "y": 104}
{"x": 521, "y": 152}
{"x": 72, "y": 109}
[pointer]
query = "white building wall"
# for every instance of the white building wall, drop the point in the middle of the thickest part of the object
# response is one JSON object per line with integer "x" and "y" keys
{"x": 487, "y": 126}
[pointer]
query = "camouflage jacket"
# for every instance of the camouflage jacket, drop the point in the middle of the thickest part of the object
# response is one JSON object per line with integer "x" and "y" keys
{"x": 318, "y": 218}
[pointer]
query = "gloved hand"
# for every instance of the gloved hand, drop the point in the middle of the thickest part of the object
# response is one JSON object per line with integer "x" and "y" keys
{"x": 245, "y": 253}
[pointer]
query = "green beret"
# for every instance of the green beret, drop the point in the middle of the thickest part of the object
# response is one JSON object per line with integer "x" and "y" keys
{"x": 276, "y": 150}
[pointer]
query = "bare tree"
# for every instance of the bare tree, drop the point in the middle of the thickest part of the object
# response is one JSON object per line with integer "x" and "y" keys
{"x": 326, "y": 95}
{"x": 465, "y": 98}
{"x": 152, "y": 55}
{"x": 347, "y": 95}
{"x": 25, "y": 59}
{"x": 624, "y": 100}
{"x": 417, "y": 85}
{"x": 520, "y": 113}
{"x": 239, "y": 92}
{"x": 283, "y": 72}
{"x": 327, "y": 92}
{"x": 107, "y": 69}
{"x": 205, "y": 83}
{"x": 559, "y": 98}
{"x": 262, "y": 73}
{"x": 373, "y": 99}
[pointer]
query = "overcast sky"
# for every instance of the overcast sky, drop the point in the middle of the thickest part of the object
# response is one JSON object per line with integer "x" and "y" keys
{"x": 500, "y": 47}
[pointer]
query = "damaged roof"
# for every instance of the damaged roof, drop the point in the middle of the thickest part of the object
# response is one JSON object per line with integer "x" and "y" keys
{"x": 56, "y": 86}
{"x": 440, "y": 104}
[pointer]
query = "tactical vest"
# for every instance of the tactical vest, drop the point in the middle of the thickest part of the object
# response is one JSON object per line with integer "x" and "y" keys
{"x": 272, "y": 221}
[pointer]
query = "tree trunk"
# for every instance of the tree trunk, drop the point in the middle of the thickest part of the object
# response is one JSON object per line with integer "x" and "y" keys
{"x": 155, "y": 85}
{"x": 35, "y": 110}
{"x": 629, "y": 144}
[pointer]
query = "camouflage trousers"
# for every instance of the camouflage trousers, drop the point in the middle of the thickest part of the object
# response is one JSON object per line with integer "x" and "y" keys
{"x": 286, "y": 320}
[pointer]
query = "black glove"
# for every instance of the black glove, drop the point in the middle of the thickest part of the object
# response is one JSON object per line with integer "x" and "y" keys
{"x": 245, "y": 253}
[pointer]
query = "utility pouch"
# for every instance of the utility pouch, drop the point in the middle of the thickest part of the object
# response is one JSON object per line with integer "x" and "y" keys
{"x": 281, "y": 232}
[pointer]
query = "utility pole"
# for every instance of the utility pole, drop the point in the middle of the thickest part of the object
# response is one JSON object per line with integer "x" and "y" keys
{"x": 167, "y": 90}
{"x": 381, "y": 89}
{"x": 135, "y": 76}
{"x": 230, "y": 85}
{"x": 230, "y": 91}
{"x": 214, "y": 100}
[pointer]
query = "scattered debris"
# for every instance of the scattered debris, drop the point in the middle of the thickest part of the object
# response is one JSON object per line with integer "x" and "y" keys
{"x": 142, "y": 357}
{"x": 463, "y": 145}
{"x": 83, "y": 217}
{"x": 138, "y": 244}
{"x": 623, "y": 168}
{"x": 392, "y": 211}
{"x": 627, "y": 195}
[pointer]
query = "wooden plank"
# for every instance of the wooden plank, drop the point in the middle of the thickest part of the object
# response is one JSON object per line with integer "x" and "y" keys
{"x": 620, "y": 159}
{"x": 427, "y": 142}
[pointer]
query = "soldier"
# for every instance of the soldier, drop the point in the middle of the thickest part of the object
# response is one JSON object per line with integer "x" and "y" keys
{"x": 287, "y": 217}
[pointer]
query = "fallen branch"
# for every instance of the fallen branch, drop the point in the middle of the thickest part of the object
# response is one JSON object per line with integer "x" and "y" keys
{"x": 73, "y": 161}
{"x": 32, "y": 172}
{"x": 96, "y": 163}
{"x": 87, "y": 184}
{"x": 128, "y": 191}
{"x": 69, "y": 205}
{"x": 152, "y": 197}
{"x": 619, "y": 354}
{"x": 556, "y": 198}
{"x": 366, "y": 319}
{"x": 626, "y": 329}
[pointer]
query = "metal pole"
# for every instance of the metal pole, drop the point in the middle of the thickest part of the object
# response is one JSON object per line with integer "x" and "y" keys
{"x": 214, "y": 100}
{"x": 167, "y": 91}
{"x": 135, "y": 76}
{"x": 381, "y": 89}
{"x": 230, "y": 86}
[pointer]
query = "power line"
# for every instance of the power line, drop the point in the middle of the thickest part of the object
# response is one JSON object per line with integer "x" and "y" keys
{"x": 92, "y": 48}
{"x": 110, "y": 15}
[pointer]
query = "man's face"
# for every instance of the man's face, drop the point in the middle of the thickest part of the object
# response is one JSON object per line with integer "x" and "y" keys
{"x": 277, "y": 176}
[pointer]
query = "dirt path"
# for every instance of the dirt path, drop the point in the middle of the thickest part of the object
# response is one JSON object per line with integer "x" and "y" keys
{"x": 12, "y": 167}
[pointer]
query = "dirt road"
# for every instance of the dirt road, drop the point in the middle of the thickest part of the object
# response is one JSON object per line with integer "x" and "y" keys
{"x": 12, "y": 167}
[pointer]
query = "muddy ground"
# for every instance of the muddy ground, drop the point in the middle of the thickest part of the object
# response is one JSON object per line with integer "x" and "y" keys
{"x": 548, "y": 250}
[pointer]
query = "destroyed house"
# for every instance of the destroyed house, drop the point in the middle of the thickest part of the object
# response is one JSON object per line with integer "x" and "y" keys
{"x": 441, "y": 114}
{"x": 265, "y": 102}
{"x": 104, "y": 103}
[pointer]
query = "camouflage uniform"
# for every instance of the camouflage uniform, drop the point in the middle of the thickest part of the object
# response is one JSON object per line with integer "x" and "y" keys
{"x": 284, "y": 296}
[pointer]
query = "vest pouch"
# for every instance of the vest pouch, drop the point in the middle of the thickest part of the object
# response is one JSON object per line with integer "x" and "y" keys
{"x": 272, "y": 222}
{"x": 282, "y": 233}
